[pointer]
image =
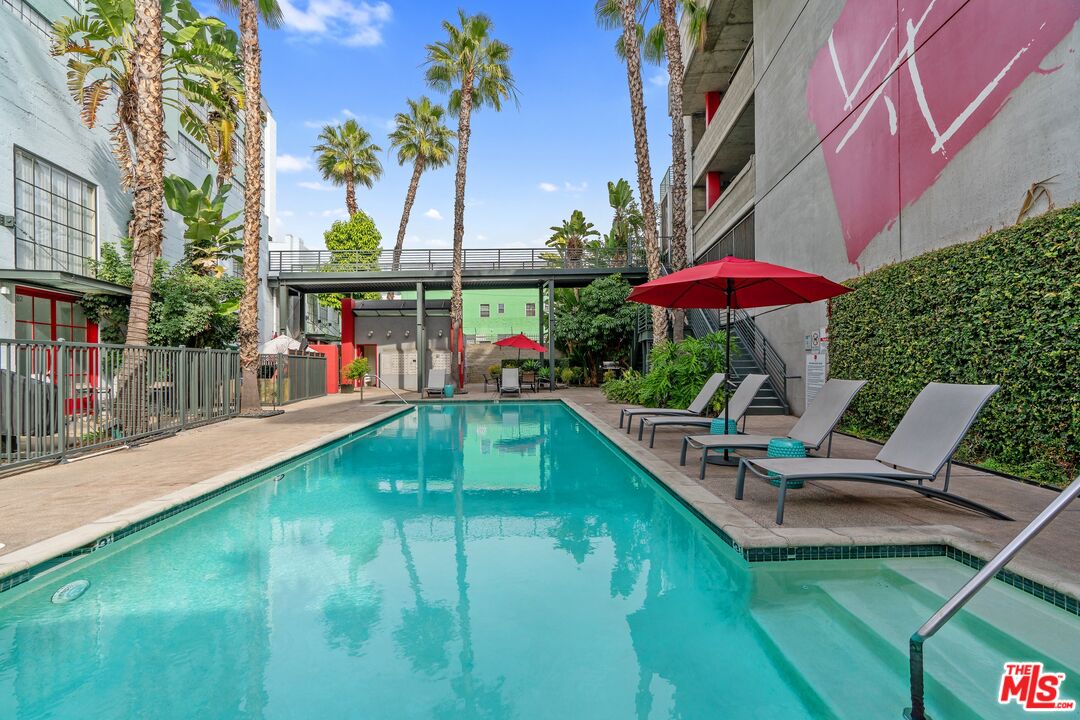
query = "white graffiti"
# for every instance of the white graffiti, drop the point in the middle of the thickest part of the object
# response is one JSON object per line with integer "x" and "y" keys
{"x": 907, "y": 55}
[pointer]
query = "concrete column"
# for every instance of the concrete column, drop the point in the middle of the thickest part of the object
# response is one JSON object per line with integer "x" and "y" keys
{"x": 540, "y": 315}
{"x": 421, "y": 340}
{"x": 302, "y": 306}
{"x": 283, "y": 309}
{"x": 551, "y": 334}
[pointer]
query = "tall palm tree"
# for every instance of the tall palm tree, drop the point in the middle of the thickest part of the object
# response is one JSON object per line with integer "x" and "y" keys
{"x": 626, "y": 220}
{"x": 422, "y": 137}
{"x": 475, "y": 69}
{"x": 348, "y": 157}
{"x": 624, "y": 14}
{"x": 248, "y": 335}
{"x": 664, "y": 41}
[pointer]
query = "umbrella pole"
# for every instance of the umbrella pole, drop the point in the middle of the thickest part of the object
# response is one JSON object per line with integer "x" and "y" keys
{"x": 727, "y": 365}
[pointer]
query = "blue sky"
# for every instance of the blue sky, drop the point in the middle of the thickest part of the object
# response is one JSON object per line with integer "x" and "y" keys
{"x": 528, "y": 166}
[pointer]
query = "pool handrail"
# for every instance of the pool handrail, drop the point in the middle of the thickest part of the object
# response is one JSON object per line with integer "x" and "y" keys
{"x": 383, "y": 383}
{"x": 917, "y": 711}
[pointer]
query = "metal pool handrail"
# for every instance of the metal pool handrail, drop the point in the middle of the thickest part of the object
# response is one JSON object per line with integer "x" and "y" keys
{"x": 917, "y": 711}
{"x": 383, "y": 382}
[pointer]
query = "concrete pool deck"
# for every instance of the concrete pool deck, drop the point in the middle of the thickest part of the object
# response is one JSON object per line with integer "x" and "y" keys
{"x": 60, "y": 507}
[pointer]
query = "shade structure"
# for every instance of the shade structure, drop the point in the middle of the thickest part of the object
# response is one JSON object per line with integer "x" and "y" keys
{"x": 521, "y": 342}
{"x": 735, "y": 283}
{"x": 280, "y": 345}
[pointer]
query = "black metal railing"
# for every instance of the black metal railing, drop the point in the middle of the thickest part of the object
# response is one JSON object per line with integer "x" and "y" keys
{"x": 288, "y": 378}
{"x": 412, "y": 260}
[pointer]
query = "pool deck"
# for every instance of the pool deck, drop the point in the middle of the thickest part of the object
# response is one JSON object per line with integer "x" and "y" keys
{"x": 48, "y": 511}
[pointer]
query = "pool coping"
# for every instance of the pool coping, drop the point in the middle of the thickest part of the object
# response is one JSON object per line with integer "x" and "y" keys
{"x": 28, "y": 562}
{"x": 757, "y": 543}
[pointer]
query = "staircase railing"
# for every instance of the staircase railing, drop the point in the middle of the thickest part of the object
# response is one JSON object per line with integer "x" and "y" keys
{"x": 917, "y": 711}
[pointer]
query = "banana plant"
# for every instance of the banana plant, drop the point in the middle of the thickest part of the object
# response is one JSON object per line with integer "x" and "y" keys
{"x": 210, "y": 236}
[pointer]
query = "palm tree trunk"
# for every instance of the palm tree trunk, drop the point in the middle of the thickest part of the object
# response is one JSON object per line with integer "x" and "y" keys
{"x": 253, "y": 207}
{"x": 678, "y": 149}
{"x": 350, "y": 195}
{"x": 148, "y": 212}
{"x": 410, "y": 198}
{"x": 464, "y": 130}
{"x": 641, "y": 149}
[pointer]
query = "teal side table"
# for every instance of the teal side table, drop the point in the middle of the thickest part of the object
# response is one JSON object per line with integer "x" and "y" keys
{"x": 786, "y": 448}
{"x": 448, "y": 391}
{"x": 717, "y": 427}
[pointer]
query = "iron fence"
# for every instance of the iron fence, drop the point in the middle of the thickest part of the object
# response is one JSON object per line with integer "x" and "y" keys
{"x": 58, "y": 398}
{"x": 284, "y": 379}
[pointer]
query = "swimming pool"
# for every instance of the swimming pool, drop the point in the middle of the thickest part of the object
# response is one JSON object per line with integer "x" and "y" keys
{"x": 493, "y": 560}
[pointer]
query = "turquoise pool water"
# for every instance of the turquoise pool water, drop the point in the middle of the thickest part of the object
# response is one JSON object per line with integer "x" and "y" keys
{"x": 492, "y": 561}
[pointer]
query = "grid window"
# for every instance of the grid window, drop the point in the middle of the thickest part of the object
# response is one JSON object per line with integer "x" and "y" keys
{"x": 485, "y": 310}
{"x": 502, "y": 308}
{"x": 55, "y": 217}
{"x": 530, "y": 309}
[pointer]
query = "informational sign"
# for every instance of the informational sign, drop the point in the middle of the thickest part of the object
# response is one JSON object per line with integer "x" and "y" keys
{"x": 817, "y": 363}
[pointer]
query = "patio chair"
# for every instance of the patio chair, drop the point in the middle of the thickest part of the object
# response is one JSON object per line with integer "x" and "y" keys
{"x": 510, "y": 382}
{"x": 737, "y": 406}
{"x": 436, "y": 382}
{"x": 922, "y": 444}
{"x": 813, "y": 429}
{"x": 697, "y": 407}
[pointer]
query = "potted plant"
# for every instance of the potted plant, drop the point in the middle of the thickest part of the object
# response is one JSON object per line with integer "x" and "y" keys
{"x": 356, "y": 370}
{"x": 494, "y": 369}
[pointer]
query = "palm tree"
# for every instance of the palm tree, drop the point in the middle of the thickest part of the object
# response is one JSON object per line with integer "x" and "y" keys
{"x": 348, "y": 157}
{"x": 626, "y": 220}
{"x": 248, "y": 335}
{"x": 571, "y": 236}
{"x": 623, "y": 13}
{"x": 474, "y": 68}
{"x": 422, "y": 137}
{"x": 664, "y": 41}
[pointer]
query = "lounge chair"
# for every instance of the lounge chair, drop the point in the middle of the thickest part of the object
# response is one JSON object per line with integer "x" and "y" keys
{"x": 510, "y": 382}
{"x": 697, "y": 407}
{"x": 436, "y": 383}
{"x": 737, "y": 406}
{"x": 922, "y": 444}
{"x": 813, "y": 429}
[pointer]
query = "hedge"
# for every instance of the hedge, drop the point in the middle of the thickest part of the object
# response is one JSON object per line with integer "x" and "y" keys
{"x": 1002, "y": 309}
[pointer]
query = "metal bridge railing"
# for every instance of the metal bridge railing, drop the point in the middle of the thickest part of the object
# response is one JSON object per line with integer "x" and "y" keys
{"x": 588, "y": 257}
{"x": 58, "y": 398}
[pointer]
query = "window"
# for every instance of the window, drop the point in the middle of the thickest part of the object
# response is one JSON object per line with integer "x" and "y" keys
{"x": 502, "y": 308}
{"x": 530, "y": 309}
{"x": 55, "y": 217}
{"x": 194, "y": 151}
{"x": 485, "y": 310}
{"x": 42, "y": 315}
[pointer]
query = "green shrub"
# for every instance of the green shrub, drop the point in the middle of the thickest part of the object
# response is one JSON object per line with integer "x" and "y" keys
{"x": 676, "y": 373}
{"x": 1003, "y": 309}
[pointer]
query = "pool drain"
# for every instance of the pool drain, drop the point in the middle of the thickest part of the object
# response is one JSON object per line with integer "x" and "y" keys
{"x": 70, "y": 592}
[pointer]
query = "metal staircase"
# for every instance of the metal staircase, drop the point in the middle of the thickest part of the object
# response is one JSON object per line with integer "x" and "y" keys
{"x": 755, "y": 355}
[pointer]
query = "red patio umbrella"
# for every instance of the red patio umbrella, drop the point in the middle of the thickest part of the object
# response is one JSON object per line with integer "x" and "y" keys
{"x": 521, "y": 342}
{"x": 735, "y": 283}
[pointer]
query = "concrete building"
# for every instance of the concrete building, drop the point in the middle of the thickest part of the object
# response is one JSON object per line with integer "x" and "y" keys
{"x": 837, "y": 136}
{"x": 65, "y": 200}
{"x": 306, "y": 315}
{"x": 490, "y": 315}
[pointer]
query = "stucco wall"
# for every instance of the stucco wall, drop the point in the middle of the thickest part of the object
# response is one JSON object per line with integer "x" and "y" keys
{"x": 842, "y": 208}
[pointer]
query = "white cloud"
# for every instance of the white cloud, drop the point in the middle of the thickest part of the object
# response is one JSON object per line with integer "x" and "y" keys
{"x": 292, "y": 163}
{"x": 286, "y": 213}
{"x": 357, "y": 24}
{"x": 430, "y": 243}
{"x": 548, "y": 187}
{"x": 572, "y": 188}
{"x": 659, "y": 80}
{"x": 335, "y": 213}
{"x": 307, "y": 185}
{"x": 433, "y": 214}
{"x": 481, "y": 238}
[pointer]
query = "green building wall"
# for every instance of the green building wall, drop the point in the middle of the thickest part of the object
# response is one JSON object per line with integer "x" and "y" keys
{"x": 511, "y": 320}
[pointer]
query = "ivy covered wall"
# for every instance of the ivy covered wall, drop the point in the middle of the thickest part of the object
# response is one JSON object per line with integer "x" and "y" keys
{"x": 1002, "y": 309}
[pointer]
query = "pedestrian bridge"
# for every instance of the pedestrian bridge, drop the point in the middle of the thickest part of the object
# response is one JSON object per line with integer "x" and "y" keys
{"x": 344, "y": 271}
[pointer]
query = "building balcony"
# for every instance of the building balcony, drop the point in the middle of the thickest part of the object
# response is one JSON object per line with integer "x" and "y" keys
{"x": 708, "y": 65}
{"x": 736, "y": 200}
{"x": 728, "y": 139}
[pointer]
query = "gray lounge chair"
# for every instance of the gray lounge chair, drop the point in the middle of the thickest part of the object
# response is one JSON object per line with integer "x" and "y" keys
{"x": 436, "y": 383}
{"x": 510, "y": 382}
{"x": 813, "y": 429}
{"x": 922, "y": 444}
{"x": 697, "y": 407}
{"x": 738, "y": 404}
